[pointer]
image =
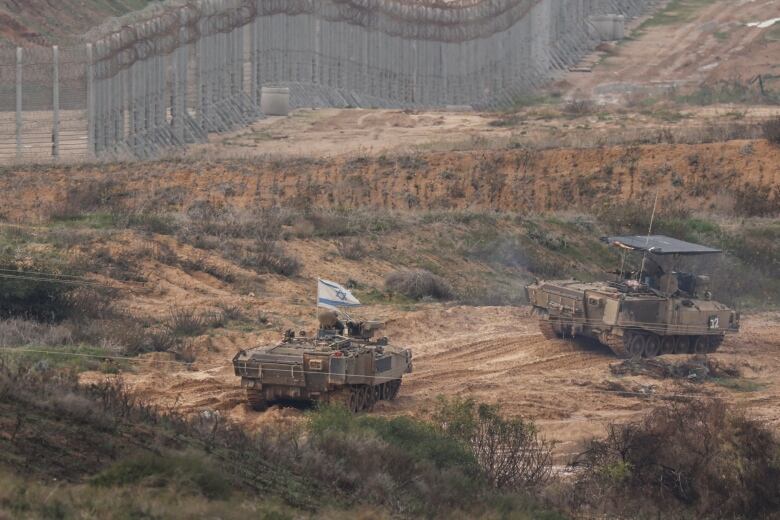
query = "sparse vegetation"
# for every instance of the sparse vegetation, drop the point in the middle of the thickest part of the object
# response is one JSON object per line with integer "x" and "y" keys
{"x": 351, "y": 248}
{"x": 334, "y": 461}
{"x": 187, "y": 321}
{"x": 509, "y": 451}
{"x": 675, "y": 12}
{"x": 724, "y": 92}
{"x": 418, "y": 284}
{"x": 697, "y": 457}
{"x": 772, "y": 130}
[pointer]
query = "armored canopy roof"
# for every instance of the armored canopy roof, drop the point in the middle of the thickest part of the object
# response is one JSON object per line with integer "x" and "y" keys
{"x": 660, "y": 245}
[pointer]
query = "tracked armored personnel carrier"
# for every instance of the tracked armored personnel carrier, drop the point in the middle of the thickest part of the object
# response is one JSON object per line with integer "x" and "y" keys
{"x": 656, "y": 309}
{"x": 342, "y": 364}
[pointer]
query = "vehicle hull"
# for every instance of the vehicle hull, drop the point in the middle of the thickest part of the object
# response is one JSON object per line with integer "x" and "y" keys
{"x": 631, "y": 324}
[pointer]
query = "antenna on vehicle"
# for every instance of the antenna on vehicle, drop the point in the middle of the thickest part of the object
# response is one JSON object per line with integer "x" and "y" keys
{"x": 622, "y": 263}
{"x": 647, "y": 241}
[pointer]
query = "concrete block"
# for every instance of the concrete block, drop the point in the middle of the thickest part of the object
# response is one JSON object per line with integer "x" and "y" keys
{"x": 275, "y": 101}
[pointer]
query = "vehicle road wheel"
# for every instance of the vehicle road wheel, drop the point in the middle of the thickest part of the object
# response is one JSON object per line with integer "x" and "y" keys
{"x": 636, "y": 346}
{"x": 700, "y": 345}
{"x": 255, "y": 400}
{"x": 395, "y": 386}
{"x": 652, "y": 346}
{"x": 362, "y": 398}
{"x": 714, "y": 343}
{"x": 353, "y": 401}
{"x": 682, "y": 345}
{"x": 370, "y": 398}
{"x": 667, "y": 345}
{"x": 547, "y": 329}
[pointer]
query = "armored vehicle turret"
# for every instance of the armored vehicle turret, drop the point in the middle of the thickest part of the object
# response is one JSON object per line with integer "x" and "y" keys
{"x": 656, "y": 309}
{"x": 343, "y": 363}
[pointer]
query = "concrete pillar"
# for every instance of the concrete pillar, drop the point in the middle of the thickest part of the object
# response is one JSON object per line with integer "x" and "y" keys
{"x": 55, "y": 124}
{"x": 179, "y": 101}
{"x": 200, "y": 87}
{"x": 253, "y": 58}
{"x": 19, "y": 123}
{"x": 90, "y": 102}
{"x": 317, "y": 51}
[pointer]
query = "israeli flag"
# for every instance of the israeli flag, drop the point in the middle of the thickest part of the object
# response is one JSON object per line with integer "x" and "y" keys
{"x": 331, "y": 295}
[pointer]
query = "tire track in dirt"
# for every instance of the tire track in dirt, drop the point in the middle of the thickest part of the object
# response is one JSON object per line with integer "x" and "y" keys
{"x": 558, "y": 384}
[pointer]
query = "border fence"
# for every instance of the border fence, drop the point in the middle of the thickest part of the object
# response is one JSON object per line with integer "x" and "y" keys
{"x": 198, "y": 69}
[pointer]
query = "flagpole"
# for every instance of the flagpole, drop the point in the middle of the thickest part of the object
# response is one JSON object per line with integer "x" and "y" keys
{"x": 317, "y": 308}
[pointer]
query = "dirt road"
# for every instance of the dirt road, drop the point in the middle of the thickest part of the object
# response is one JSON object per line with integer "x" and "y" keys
{"x": 688, "y": 43}
{"x": 493, "y": 354}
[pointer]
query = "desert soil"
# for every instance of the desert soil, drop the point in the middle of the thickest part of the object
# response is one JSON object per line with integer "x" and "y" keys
{"x": 329, "y": 133}
{"x": 699, "y": 42}
{"x": 493, "y": 354}
{"x": 705, "y": 177}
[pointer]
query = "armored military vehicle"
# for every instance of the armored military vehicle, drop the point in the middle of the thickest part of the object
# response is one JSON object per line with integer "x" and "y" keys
{"x": 343, "y": 363}
{"x": 657, "y": 309}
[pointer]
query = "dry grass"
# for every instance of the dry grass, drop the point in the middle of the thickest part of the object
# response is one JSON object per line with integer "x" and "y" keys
{"x": 418, "y": 284}
{"x": 772, "y": 131}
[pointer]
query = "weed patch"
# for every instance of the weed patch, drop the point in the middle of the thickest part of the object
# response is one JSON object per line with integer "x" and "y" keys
{"x": 418, "y": 284}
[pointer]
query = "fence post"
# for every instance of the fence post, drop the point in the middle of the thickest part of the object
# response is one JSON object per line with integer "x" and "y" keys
{"x": 90, "y": 102}
{"x": 317, "y": 51}
{"x": 177, "y": 117}
{"x": 184, "y": 60}
{"x": 55, "y": 125}
{"x": 254, "y": 95}
{"x": 19, "y": 56}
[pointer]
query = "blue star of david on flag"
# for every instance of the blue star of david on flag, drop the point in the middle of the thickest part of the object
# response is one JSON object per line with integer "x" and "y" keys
{"x": 331, "y": 295}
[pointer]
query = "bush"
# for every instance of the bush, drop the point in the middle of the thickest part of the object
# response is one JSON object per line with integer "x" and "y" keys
{"x": 757, "y": 201}
{"x": 86, "y": 197}
{"x": 53, "y": 295}
{"x": 403, "y": 463}
{"x": 186, "y": 321}
{"x": 269, "y": 258}
{"x": 351, "y": 248}
{"x": 578, "y": 107}
{"x": 508, "y": 450}
{"x": 188, "y": 472}
{"x": 772, "y": 131}
{"x": 695, "y": 455}
{"x": 418, "y": 284}
{"x": 17, "y": 332}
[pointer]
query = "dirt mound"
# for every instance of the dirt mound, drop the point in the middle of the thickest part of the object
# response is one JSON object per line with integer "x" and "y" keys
{"x": 719, "y": 176}
{"x": 694, "y": 369}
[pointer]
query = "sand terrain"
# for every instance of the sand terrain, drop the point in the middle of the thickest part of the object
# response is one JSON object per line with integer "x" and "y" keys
{"x": 494, "y": 355}
{"x": 696, "y": 42}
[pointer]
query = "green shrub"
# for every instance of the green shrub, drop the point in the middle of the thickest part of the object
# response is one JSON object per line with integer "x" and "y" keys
{"x": 189, "y": 472}
{"x": 696, "y": 455}
{"x": 49, "y": 296}
{"x": 509, "y": 451}
{"x": 401, "y": 462}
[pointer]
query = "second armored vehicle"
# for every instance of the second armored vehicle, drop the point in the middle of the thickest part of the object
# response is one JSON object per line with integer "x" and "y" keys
{"x": 657, "y": 310}
{"x": 342, "y": 364}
